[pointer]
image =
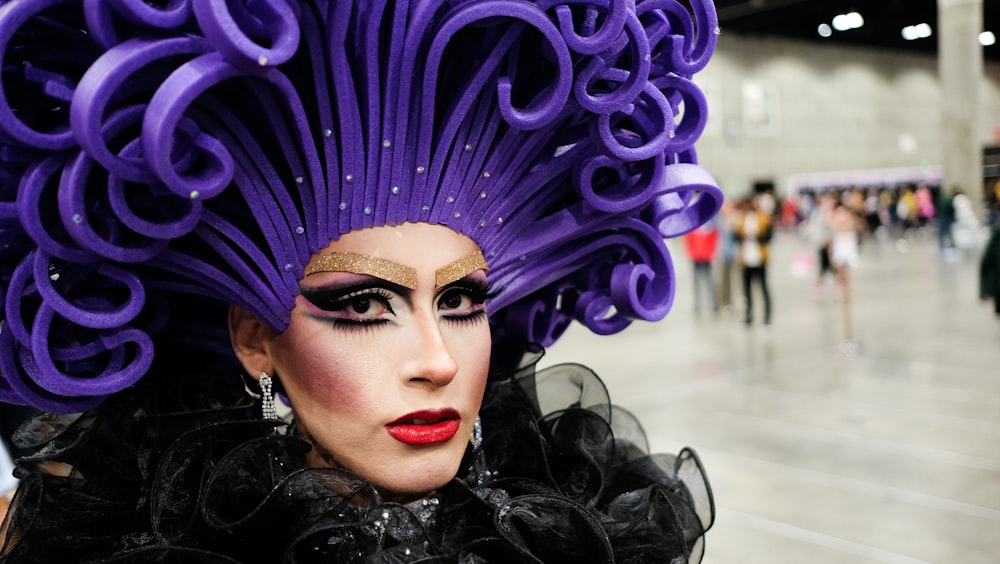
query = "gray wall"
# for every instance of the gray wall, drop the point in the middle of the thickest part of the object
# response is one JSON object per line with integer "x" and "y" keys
{"x": 823, "y": 108}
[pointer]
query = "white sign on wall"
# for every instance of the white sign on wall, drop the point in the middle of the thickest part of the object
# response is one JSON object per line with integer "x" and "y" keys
{"x": 760, "y": 108}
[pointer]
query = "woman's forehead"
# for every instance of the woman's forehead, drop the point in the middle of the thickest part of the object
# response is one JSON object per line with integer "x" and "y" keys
{"x": 393, "y": 239}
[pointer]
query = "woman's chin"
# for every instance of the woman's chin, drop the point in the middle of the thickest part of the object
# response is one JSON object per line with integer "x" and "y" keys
{"x": 414, "y": 489}
{"x": 401, "y": 473}
{"x": 404, "y": 497}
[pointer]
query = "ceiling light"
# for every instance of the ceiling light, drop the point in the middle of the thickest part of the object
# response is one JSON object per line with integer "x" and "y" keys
{"x": 848, "y": 21}
{"x": 987, "y": 38}
{"x": 919, "y": 31}
{"x": 824, "y": 30}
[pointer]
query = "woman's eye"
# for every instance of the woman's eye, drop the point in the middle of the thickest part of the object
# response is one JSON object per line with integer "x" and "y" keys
{"x": 363, "y": 307}
{"x": 460, "y": 302}
{"x": 366, "y": 307}
{"x": 454, "y": 300}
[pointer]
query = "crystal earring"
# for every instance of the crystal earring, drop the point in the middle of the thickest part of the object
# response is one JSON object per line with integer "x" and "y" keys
{"x": 477, "y": 435}
{"x": 267, "y": 397}
{"x": 478, "y": 470}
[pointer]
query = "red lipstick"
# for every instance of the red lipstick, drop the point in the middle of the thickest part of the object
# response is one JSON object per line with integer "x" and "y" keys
{"x": 425, "y": 427}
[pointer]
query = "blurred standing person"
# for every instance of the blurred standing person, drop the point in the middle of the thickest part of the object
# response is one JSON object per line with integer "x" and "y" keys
{"x": 872, "y": 219}
{"x": 989, "y": 266}
{"x": 818, "y": 231}
{"x": 946, "y": 221}
{"x": 845, "y": 227}
{"x": 906, "y": 211}
{"x": 766, "y": 202}
{"x": 854, "y": 201}
{"x": 966, "y": 228}
{"x": 701, "y": 245}
{"x": 887, "y": 218}
{"x": 806, "y": 203}
{"x": 992, "y": 199}
{"x": 753, "y": 231}
{"x": 728, "y": 247}
{"x": 789, "y": 212}
{"x": 925, "y": 204}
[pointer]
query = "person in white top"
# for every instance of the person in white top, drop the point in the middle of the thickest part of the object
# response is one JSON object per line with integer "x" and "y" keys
{"x": 845, "y": 226}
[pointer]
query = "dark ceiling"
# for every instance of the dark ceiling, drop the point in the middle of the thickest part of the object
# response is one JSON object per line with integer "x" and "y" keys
{"x": 884, "y": 20}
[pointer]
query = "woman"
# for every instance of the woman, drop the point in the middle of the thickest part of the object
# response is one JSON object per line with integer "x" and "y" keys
{"x": 845, "y": 227}
{"x": 426, "y": 389}
{"x": 753, "y": 231}
{"x": 284, "y": 269}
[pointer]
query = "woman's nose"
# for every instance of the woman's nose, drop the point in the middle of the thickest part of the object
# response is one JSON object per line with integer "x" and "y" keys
{"x": 432, "y": 362}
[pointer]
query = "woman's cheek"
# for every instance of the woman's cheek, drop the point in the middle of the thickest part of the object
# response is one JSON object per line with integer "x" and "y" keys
{"x": 334, "y": 381}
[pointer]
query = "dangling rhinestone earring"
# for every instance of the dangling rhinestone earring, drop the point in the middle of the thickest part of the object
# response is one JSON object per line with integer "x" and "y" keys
{"x": 477, "y": 435}
{"x": 478, "y": 469}
{"x": 267, "y": 398}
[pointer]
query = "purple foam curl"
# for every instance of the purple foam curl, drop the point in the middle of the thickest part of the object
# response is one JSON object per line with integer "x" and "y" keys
{"x": 273, "y": 20}
{"x": 173, "y": 14}
{"x": 13, "y": 15}
{"x": 103, "y": 80}
{"x": 205, "y": 150}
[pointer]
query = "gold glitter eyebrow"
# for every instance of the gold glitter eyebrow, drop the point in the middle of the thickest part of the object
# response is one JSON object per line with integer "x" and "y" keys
{"x": 460, "y": 268}
{"x": 368, "y": 265}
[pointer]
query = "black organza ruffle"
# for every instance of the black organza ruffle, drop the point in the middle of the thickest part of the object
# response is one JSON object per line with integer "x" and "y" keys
{"x": 168, "y": 473}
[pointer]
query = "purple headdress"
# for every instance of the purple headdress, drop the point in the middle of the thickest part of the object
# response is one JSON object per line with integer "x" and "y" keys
{"x": 157, "y": 158}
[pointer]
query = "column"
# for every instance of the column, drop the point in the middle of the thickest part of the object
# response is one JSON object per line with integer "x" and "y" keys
{"x": 960, "y": 68}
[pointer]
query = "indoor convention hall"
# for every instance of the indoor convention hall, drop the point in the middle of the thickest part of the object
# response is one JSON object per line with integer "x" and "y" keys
{"x": 861, "y": 430}
{"x": 500, "y": 281}
{"x": 859, "y": 419}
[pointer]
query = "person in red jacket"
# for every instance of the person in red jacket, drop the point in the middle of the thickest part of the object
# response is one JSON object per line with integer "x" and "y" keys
{"x": 701, "y": 245}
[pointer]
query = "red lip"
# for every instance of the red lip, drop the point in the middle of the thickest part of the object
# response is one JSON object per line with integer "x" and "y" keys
{"x": 425, "y": 427}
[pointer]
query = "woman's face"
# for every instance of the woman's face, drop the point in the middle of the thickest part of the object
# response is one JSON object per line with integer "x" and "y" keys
{"x": 386, "y": 355}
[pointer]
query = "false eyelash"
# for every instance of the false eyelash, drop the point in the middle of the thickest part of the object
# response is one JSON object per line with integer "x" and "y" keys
{"x": 352, "y": 326}
{"x": 338, "y": 301}
{"x": 468, "y": 318}
{"x": 492, "y": 292}
{"x": 477, "y": 290}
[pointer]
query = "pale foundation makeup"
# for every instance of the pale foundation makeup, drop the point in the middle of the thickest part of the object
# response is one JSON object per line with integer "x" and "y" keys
{"x": 386, "y": 355}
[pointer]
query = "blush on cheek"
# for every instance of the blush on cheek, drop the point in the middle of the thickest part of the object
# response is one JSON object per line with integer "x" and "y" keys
{"x": 348, "y": 382}
{"x": 335, "y": 387}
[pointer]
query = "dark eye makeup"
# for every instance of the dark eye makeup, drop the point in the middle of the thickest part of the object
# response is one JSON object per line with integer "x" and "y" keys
{"x": 368, "y": 304}
{"x": 464, "y": 299}
{"x": 350, "y": 307}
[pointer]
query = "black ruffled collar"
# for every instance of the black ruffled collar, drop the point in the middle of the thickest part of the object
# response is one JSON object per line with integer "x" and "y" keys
{"x": 191, "y": 478}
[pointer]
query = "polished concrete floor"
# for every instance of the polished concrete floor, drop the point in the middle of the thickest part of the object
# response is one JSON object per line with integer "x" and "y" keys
{"x": 856, "y": 431}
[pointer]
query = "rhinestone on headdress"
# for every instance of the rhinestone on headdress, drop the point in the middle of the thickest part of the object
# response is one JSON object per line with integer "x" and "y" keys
{"x": 179, "y": 186}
